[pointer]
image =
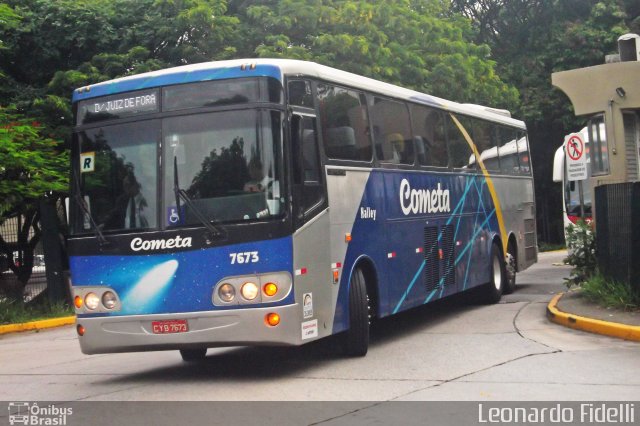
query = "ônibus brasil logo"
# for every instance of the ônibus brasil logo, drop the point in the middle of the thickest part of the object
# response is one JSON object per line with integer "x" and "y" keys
{"x": 31, "y": 414}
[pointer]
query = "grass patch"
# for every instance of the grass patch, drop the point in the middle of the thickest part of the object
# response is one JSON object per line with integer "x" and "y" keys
{"x": 542, "y": 246}
{"x": 611, "y": 294}
{"x": 12, "y": 312}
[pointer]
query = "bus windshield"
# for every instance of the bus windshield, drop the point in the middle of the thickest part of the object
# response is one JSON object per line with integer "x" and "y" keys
{"x": 229, "y": 164}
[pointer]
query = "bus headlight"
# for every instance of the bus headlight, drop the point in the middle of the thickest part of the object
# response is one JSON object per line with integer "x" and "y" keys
{"x": 226, "y": 292}
{"x": 91, "y": 301}
{"x": 249, "y": 290}
{"x": 109, "y": 300}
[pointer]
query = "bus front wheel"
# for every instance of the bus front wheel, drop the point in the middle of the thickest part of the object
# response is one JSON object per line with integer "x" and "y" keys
{"x": 356, "y": 338}
{"x": 191, "y": 355}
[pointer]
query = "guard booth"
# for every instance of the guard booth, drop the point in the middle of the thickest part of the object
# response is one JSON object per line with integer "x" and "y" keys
{"x": 609, "y": 96}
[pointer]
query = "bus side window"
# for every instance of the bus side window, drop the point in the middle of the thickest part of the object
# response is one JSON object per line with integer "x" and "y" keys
{"x": 345, "y": 123}
{"x": 524, "y": 156}
{"x": 391, "y": 131}
{"x": 460, "y": 154}
{"x": 509, "y": 162}
{"x": 485, "y": 138}
{"x": 429, "y": 136}
{"x": 300, "y": 93}
{"x": 306, "y": 162}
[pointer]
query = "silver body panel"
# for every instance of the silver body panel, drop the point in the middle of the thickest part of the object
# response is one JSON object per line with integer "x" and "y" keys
{"x": 206, "y": 329}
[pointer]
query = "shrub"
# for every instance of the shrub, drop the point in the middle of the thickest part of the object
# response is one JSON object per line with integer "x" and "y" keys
{"x": 581, "y": 245}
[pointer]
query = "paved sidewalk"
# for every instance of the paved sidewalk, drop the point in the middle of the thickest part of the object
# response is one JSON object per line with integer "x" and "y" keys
{"x": 573, "y": 310}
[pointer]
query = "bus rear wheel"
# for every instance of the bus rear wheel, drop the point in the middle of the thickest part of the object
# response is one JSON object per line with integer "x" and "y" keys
{"x": 356, "y": 338}
{"x": 192, "y": 355}
{"x": 510, "y": 269}
{"x": 494, "y": 288}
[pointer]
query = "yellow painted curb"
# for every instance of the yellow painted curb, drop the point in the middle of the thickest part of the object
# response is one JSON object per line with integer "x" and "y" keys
{"x": 37, "y": 325}
{"x": 613, "y": 329}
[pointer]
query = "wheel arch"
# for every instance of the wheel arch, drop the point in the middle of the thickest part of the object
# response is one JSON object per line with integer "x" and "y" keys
{"x": 370, "y": 272}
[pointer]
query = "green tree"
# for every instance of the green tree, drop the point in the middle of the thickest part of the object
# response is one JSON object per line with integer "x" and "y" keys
{"x": 31, "y": 164}
{"x": 530, "y": 39}
{"x": 411, "y": 43}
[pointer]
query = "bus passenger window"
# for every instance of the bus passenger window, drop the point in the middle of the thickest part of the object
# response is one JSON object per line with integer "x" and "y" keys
{"x": 485, "y": 139}
{"x": 345, "y": 125}
{"x": 391, "y": 131}
{"x": 508, "y": 150}
{"x": 524, "y": 157}
{"x": 460, "y": 154}
{"x": 429, "y": 136}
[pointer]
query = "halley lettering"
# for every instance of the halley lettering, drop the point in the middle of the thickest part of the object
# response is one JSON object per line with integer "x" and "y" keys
{"x": 138, "y": 243}
{"x": 419, "y": 201}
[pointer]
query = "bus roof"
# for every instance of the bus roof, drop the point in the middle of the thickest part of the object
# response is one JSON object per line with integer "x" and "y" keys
{"x": 278, "y": 68}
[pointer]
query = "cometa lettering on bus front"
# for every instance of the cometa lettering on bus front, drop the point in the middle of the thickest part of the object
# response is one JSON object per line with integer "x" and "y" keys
{"x": 138, "y": 243}
{"x": 419, "y": 201}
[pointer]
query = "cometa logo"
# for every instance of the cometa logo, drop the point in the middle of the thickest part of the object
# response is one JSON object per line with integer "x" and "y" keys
{"x": 423, "y": 200}
{"x": 138, "y": 243}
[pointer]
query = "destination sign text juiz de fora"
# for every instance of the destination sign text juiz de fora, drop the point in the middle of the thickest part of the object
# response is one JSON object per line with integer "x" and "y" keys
{"x": 143, "y": 102}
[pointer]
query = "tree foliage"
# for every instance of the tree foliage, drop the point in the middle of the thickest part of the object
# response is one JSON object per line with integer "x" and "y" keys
{"x": 30, "y": 163}
{"x": 410, "y": 43}
{"x": 531, "y": 39}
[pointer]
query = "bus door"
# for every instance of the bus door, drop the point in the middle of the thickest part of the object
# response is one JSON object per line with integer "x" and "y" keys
{"x": 313, "y": 280}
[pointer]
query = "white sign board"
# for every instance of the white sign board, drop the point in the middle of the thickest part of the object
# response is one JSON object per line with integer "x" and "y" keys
{"x": 576, "y": 155}
{"x": 87, "y": 162}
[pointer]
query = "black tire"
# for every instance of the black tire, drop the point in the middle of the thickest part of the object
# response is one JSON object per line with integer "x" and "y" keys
{"x": 192, "y": 355}
{"x": 494, "y": 288}
{"x": 510, "y": 270}
{"x": 356, "y": 338}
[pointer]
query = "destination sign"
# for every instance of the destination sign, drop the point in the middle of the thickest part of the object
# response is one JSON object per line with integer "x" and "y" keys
{"x": 118, "y": 106}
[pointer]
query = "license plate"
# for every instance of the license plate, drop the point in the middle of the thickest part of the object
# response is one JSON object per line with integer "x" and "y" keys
{"x": 169, "y": 326}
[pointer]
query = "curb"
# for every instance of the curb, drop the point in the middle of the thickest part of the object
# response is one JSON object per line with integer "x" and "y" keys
{"x": 37, "y": 325}
{"x": 612, "y": 329}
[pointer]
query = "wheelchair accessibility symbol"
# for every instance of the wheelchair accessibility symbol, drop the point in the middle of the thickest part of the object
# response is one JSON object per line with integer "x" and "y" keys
{"x": 173, "y": 217}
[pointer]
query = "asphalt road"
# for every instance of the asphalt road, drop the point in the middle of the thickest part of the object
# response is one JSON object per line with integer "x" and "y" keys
{"x": 452, "y": 350}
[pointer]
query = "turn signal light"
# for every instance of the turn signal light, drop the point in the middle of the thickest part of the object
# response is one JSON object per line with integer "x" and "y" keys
{"x": 80, "y": 329}
{"x": 270, "y": 289}
{"x": 273, "y": 319}
{"x": 77, "y": 302}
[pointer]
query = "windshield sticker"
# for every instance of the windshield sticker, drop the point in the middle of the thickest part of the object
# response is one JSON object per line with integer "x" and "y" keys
{"x": 307, "y": 305}
{"x": 87, "y": 162}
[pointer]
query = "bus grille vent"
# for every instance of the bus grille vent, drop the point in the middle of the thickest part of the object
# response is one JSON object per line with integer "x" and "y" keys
{"x": 432, "y": 265}
{"x": 448, "y": 259}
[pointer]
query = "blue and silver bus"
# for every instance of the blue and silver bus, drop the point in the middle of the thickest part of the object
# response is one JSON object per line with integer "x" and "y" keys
{"x": 277, "y": 202}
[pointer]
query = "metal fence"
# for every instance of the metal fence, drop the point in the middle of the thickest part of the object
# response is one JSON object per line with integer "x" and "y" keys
{"x": 38, "y": 281}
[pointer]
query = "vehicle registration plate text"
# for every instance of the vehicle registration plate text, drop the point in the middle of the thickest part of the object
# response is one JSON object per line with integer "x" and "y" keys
{"x": 169, "y": 326}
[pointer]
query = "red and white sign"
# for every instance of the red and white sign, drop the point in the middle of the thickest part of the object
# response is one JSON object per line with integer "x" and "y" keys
{"x": 575, "y": 150}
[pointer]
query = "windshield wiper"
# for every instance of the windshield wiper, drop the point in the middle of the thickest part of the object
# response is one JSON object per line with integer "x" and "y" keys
{"x": 214, "y": 232}
{"x": 102, "y": 241}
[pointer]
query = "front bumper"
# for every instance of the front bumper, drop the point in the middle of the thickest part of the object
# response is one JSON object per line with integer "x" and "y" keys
{"x": 239, "y": 327}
